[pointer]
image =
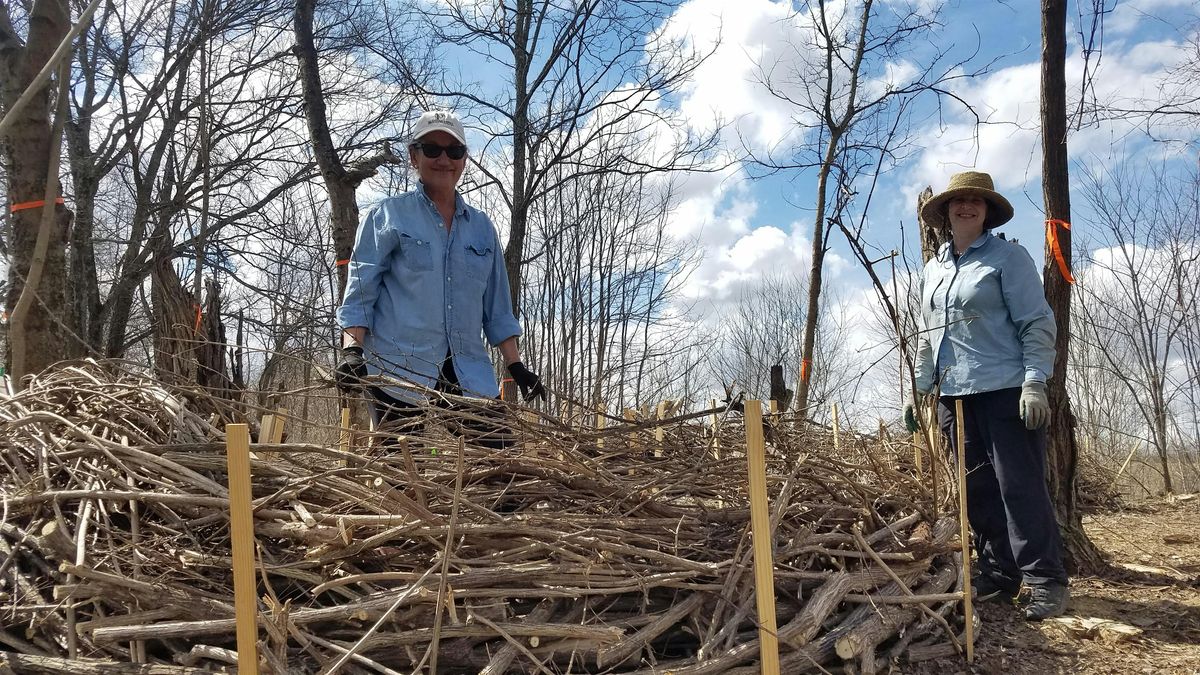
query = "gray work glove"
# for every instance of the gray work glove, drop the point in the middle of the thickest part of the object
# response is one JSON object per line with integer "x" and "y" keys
{"x": 1035, "y": 406}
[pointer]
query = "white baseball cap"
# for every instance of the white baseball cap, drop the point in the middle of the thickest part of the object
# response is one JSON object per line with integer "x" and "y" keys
{"x": 439, "y": 120}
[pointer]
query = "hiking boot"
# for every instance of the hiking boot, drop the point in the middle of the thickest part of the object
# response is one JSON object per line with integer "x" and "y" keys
{"x": 985, "y": 587}
{"x": 1046, "y": 601}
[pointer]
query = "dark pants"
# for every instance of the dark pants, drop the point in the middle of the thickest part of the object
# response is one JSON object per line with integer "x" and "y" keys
{"x": 1008, "y": 504}
{"x": 400, "y": 417}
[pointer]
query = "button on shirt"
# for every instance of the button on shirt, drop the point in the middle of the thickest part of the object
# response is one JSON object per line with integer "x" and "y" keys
{"x": 423, "y": 292}
{"x": 985, "y": 322}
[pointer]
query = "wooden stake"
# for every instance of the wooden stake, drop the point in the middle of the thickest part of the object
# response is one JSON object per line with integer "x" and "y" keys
{"x": 266, "y": 428}
{"x": 837, "y": 442}
{"x": 630, "y": 416}
{"x": 660, "y": 414}
{"x": 762, "y": 536}
{"x": 344, "y": 433}
{"x": 277, "y": 427}
{"x": 601, "y": 421}
{"x": 918, "y": 454}
{"x": 241, "y": 525}
{"x": 716, "y": 430}
{"x": 935, "y": 455}
{"x": 968, "y": 610}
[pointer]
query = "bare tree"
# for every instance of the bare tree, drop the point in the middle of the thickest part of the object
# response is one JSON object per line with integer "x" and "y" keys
{"x": 763, "y": 326}
{"x": 597, "y": 300}
{"x": 576, "y": 73}
{"x": 341, "y": 177}
{"x": 1062, "y": 451}
{"x": 1139, "y": 296}
{"x": 846, "y": 122}
{"x": 37, "y": 242}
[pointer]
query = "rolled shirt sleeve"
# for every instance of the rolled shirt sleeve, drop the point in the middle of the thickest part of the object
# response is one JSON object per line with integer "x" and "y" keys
{"x": 373, "y": 245}
{"x": 499, "y": 322}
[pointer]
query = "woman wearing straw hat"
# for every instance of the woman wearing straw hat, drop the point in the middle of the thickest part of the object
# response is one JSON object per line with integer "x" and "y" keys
{"x": 987, "y": 339}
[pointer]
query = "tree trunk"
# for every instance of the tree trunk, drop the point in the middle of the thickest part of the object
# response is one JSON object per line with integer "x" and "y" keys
{"x": 212, "y": 372}
{"x": 84, "y": 281}
{"x": 1062, "y": 453}
{"x": 343, "y": 205}
{"x": 174, "y": 314}
{"x": 514, "y": 251}
{"x": 812, "y": 313}
{"x": 27, "y": 146}
{"x": 933, "y": 235}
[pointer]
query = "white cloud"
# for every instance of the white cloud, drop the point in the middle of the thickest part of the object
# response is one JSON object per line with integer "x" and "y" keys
{"x": 1008, "y": 146}
{"x": 740, "y": 35}
{"x": 1129, "y": 15}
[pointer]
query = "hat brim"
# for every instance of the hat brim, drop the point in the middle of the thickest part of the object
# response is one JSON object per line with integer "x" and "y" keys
{"x": 999, "y": 210}
{"x": 439, "y": 127}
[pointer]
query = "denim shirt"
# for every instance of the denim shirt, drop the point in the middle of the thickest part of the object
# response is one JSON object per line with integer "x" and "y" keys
{"x": 423, "y": 292}
{"x": 985, "y": 323}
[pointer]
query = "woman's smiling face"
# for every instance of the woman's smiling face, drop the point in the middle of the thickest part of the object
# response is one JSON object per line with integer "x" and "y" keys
{"x": 967, "y": 213}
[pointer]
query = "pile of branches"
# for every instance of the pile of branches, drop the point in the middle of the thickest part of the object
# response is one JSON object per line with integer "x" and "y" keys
{"x": 576, "y": 551}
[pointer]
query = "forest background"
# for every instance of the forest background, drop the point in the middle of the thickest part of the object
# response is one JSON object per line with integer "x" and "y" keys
{"x": 689, "y": 192}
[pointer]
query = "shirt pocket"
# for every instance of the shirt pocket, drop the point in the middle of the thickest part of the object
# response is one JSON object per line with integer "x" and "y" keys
{"x": 479, "y": 260}
{"x": 415, "y": 254}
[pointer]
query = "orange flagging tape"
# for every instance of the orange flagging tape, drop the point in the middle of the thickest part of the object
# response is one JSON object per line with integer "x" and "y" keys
{"x": 34, "y": 204}
{"x": 1056, "y": 248}
{"x": 199, "y": 314}
{"x": 805, "y": 369}
{"x": 342, "y": 263}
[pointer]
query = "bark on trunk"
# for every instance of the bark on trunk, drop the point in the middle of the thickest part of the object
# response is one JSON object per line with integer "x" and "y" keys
{"x": 343, "y": 205}
{"x": 27, "y": 159}
{"x": 514, "y": 251}
{"x": 933, "y": 235}
{"x": 174, "y": 312}
{"x": 1062, "y": 452}
{"x": 212, "y": 371}
{"x": 815, "y": 277}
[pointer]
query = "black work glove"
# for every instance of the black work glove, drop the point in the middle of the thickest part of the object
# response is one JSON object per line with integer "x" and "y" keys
{"x": 351, "y": 370}
{"x": 529, "y": 382}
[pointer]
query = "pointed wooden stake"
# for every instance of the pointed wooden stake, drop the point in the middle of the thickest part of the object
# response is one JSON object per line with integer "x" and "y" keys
{"x": 963, "y": 533}
{"x": 762, "y": 536}
{"x": 241, "y": 524}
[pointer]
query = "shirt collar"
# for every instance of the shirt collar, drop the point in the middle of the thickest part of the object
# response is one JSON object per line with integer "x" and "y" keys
{"x": 944, "y": 252}
{"x": 460, "y": 204}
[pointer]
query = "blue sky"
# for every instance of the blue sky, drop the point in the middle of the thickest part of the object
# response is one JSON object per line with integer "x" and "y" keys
{"x": 748, "y": 227}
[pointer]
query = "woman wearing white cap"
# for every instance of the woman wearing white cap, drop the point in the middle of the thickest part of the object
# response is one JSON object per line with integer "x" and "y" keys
{"x": 987, "y": 339}
{"x": 426, "y": 283}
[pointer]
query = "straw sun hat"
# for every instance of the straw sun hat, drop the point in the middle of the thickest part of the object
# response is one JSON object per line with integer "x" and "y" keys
{"x": 969, "y": 183}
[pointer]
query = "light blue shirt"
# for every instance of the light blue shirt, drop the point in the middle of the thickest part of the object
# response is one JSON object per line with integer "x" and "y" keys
{"x": 985, "y": 322}
{"x": 421, "y": 292}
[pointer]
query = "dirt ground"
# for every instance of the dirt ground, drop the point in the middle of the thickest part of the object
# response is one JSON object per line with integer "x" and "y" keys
{"x": 1155, "y": 589}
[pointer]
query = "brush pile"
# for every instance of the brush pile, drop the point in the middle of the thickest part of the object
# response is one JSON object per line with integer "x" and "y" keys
{"x": 576, "y": 552}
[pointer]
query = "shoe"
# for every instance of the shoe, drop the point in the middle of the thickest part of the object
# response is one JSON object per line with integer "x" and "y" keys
{"x": 1046, "y": 601}
{"x": 985, "y": 587}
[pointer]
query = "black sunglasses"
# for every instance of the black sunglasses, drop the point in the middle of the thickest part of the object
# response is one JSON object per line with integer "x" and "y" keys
{"x": 433, "y": 150}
